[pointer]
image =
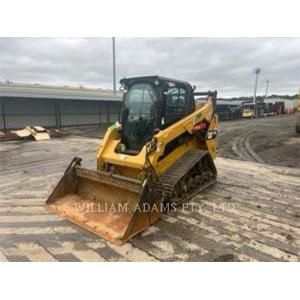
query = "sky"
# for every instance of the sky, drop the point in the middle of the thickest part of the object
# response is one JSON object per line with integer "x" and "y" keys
{"x": 222, "y": 64}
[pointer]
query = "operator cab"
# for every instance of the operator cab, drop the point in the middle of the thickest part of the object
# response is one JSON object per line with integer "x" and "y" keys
{"x": 150, "y": 104}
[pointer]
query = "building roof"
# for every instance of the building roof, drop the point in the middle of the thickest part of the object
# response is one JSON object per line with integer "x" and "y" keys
{"x": 56, "y": 92}
{"x": 275, "y": 99}
{"x": 222, "y": 102}
{"x": 230, "y": 102}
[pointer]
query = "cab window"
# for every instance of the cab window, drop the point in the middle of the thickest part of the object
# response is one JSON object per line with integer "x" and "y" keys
{"x": 175, "y": 104}
{"x": 139, "y": 101}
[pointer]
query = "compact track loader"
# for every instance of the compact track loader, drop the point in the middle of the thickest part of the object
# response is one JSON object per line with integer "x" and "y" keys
{"x": 159, "y": 155}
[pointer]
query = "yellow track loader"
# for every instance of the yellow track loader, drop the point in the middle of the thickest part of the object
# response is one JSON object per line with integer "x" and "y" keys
{"x": 157, "y": 156}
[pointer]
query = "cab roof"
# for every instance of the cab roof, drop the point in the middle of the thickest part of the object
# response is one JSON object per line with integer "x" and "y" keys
{"x": 152, "y": 79}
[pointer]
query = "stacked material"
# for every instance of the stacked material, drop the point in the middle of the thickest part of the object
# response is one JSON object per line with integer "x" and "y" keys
{"x": 37, "y": 133}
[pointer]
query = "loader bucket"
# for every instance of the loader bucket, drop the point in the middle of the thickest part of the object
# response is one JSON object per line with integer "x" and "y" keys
{"x": 105, "y": 204}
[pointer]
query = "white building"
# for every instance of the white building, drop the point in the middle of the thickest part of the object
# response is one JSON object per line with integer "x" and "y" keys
{"x": 289, "y": 104}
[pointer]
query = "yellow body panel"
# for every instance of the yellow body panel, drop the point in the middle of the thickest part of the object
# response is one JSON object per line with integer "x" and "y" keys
{"x": 248, "y": 113}
{"x": 134, "y": 165}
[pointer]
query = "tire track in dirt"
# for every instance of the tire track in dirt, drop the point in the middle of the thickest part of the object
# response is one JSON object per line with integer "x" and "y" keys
{"x": 251, "y": 151}
{"x": 242, "y": 149}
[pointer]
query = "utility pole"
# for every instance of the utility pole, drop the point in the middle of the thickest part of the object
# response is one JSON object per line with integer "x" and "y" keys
{"x": 267, "y": 89}
{"x": 114, "y": 65}
{"x": 256, "y": 71}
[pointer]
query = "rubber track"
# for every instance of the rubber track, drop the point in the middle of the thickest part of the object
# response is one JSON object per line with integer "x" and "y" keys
{"x": 180, "y": 168}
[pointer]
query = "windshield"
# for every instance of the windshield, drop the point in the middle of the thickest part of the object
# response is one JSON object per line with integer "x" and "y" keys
{"x": 248, "y": 106}
{"x": 139, "y": 101}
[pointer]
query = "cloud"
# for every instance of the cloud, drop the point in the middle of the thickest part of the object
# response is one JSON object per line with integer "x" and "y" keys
{"x": 224, "y": 64}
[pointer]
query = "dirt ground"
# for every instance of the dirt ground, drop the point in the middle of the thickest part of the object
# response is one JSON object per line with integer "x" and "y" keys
{"x": 271, "y": 140}
{"x": 250, "y": 214}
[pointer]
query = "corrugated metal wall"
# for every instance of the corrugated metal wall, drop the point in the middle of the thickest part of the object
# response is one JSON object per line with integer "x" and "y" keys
{"x": 17, "y": 113}
{"x": 1, "y": 115}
